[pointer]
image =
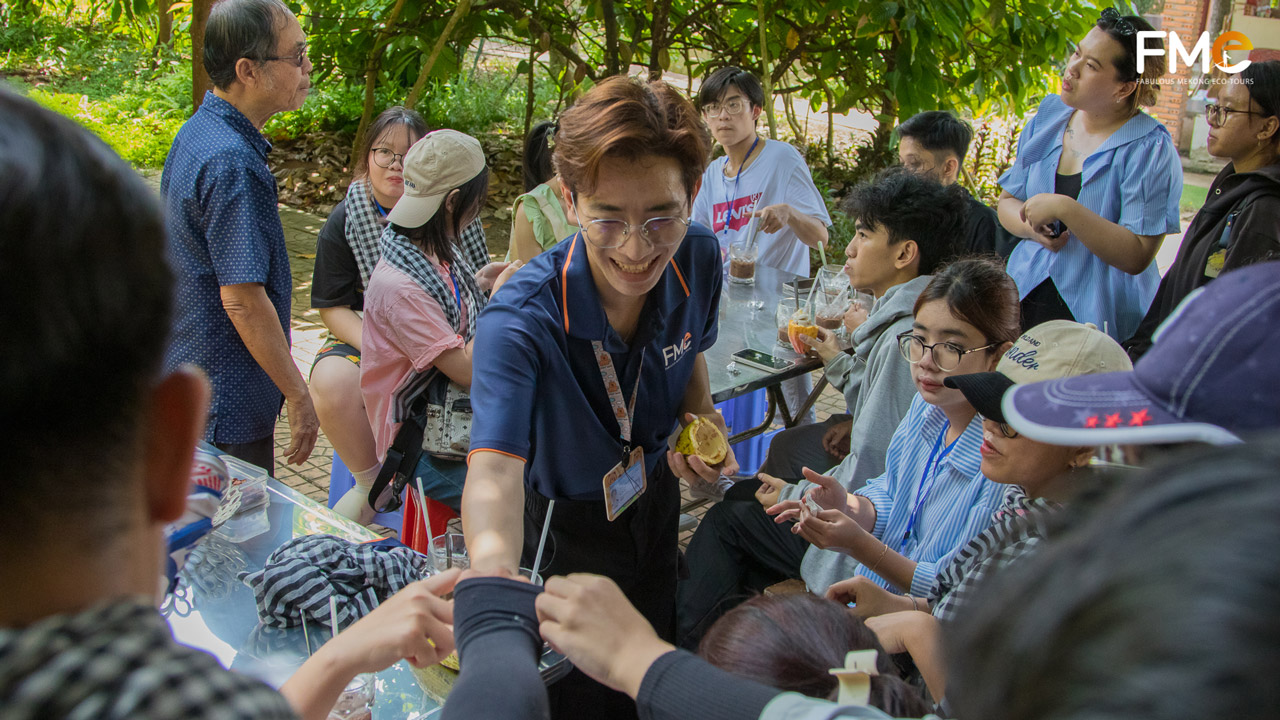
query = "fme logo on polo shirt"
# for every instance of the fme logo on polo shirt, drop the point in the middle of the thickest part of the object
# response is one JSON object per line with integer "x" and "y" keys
{"x": 671, "y": 354}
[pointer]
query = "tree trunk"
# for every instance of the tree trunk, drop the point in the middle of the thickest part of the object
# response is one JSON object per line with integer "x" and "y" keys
{"x": 661, "y": 15}
{"x": 831, "y": 125}
{"x": 528, "y": 97}
{"x": 199, "y": 78}
{"x": 458, "y": 13}
{"x": 789, "y": 112}
{"x": 372, "y": 66}
{"x": 765, "y": 74}
{"x": 164, "y": 25}
{"x": 612, "y": 61}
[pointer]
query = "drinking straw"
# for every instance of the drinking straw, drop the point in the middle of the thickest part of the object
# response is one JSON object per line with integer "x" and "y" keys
{"x": 542, "y": 543}
{"x": 752, "y": 232}
{"x": 305, "y": 635}
{"x": 333, "y": 614}
{"x": 426, "y": 522}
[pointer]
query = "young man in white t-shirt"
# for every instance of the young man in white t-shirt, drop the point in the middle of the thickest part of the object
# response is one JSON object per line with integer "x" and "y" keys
{"x": 756, "y": 176}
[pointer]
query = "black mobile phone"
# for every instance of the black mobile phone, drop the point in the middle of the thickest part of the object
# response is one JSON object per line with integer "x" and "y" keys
{"x": 762, "y": 360}
{"x": 1056, "y": 228}
{"x": 803, "y": 285}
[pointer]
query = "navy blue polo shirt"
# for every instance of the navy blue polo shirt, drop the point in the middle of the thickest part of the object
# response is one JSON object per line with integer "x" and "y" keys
{"x": 224, "y": 229}
{"x": 536, "y": 388}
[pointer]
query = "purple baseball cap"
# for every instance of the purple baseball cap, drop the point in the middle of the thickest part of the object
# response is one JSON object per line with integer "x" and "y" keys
{"x": 1212, "y": 374}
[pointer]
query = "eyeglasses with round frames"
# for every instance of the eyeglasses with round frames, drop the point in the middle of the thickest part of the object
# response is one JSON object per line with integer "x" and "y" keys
{"x": 297, "y": 59}
{"x": 386, "y": 157}
{"x": 946, "y": 355}
{"x": 732, "y": 108}
{"x": 1218, "y": 115}
{"x": 607, "y": 233}
{"x": 1005, "y": 430}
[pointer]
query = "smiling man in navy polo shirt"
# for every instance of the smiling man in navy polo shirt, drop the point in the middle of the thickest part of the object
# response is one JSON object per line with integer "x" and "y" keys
{"x": 585, "y": 362}
{"x": 225, "y": 241}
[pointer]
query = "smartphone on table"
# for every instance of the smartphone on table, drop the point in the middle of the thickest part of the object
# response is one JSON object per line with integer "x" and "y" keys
{"x": 763, "y": 360}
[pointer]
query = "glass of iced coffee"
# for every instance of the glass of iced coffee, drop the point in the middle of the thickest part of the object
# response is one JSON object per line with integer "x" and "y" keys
{"x": 742, "y": 263}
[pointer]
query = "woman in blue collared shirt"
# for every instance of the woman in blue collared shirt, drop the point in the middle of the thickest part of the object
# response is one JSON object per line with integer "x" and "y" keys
{"x": 1094, "y": 189}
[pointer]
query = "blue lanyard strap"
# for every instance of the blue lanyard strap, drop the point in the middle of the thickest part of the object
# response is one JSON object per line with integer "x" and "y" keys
{"x": 728, "y": 203}
{"x": 922, "y": 492}
{"x": 457, "y": 294}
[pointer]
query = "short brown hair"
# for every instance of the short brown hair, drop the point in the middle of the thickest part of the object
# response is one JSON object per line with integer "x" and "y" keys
{"x": 791, "y": 642}
{"x": 625, "y": 117}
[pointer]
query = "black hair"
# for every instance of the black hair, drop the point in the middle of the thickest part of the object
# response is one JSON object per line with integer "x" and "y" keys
{"x": 912, "y": 207}
{"x": 978, "y": 291}
{"x": 241, "y": 29}
{"x": 88, "y": 299}
{"x": 438, "y": 234}
{"x": 1156, "y": 605}
{"x": 1148, "y": 90}
{"x": 537, "y": 165}
{"x": 715, "y": 87}
{"x": 393, "y": 116}
{"x": 938, "y": 130}
{"x": 1263, "y": 82}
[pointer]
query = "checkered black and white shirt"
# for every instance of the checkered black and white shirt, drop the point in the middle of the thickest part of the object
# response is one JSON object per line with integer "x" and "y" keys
{"x": 118, "y": 660}
{"x": 1017, "y": 527}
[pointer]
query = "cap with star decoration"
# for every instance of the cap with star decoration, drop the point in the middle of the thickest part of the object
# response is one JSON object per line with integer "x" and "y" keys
{"x": 1212, "y": 375}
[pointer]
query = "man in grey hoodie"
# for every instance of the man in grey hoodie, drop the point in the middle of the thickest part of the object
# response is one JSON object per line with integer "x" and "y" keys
{"x": 907, "y": 226}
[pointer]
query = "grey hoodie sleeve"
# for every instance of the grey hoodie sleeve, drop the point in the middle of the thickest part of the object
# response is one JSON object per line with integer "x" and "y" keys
{"x": 845, "y": 373}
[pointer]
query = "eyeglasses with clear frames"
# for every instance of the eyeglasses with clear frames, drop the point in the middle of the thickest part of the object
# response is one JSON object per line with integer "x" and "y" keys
{"x": 386, "y": 157}
{"x": 946, "y": 355}
{"x": 607, "y": 233}
{"x": 1218, "y": 115}
{"x": 296, "y": 59}
{"x": 732, "y": 108}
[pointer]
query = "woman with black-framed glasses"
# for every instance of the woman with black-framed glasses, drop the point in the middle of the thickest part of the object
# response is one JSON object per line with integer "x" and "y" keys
{"x": 891, "y": 536}
{"x": 1240, "y": 222}
{"x": 1036, "y": 479}
{"x": 1095, "y": 187}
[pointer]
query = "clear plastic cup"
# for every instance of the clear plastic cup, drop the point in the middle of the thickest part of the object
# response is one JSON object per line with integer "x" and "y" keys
{"x": 742, "y": 264}
{"x": 356, "y": 700}
{"x": 449, "y": 551}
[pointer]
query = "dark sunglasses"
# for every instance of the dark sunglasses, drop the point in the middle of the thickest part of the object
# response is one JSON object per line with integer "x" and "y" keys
{"x": 1112, "y": 20}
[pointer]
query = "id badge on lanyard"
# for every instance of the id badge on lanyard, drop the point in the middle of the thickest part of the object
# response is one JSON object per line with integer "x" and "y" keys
{"x": 626, "y": 481}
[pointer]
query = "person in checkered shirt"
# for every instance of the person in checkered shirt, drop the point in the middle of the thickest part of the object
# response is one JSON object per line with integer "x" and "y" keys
{"x": 97, "y": 451}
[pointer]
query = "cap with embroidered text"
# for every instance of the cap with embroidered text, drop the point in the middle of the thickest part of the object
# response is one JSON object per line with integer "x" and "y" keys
{"x": 441, "y": 161}
{"x": 1050, "y": 350}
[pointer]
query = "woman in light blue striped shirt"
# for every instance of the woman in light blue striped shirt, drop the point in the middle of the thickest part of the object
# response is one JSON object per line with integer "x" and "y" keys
{"x": 1094, "y": 189}
{"x": 931, "y": 500}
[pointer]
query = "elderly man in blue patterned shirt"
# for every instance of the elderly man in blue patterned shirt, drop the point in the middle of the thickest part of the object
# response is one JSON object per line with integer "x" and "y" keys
{"x": 225, "y": 240}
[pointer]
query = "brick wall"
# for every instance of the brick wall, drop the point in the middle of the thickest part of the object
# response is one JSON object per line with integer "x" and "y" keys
{"x": 1184, "y": 17}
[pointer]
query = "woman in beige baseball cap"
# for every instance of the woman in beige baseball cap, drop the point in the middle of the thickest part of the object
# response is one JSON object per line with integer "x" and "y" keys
{"x": 423, "y": 300}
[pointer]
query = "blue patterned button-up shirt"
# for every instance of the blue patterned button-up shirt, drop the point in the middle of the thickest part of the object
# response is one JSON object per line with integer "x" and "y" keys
{"x": 224, "y": 229}
{"x": 1134, "y": 179}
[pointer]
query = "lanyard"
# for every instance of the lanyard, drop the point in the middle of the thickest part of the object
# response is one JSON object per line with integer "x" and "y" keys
{"x": 728, "y": 201}
{"x": 623, "y": 413}
{"x": 922, "y": 492}
{"x": 457, "y": 294}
